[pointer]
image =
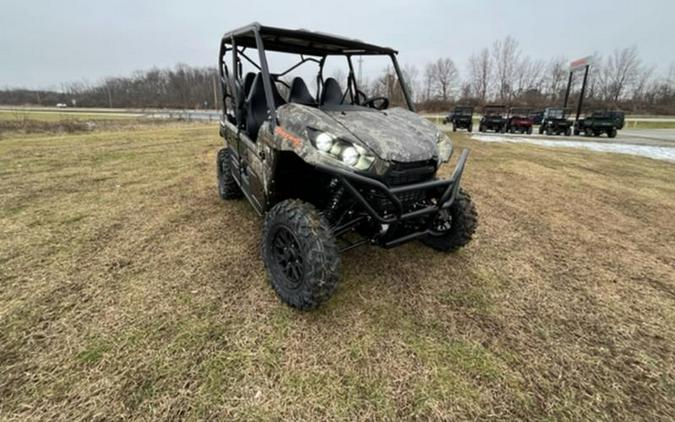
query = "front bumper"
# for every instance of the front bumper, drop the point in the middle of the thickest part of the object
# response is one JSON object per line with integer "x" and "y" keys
{"x": 445, "y": 195}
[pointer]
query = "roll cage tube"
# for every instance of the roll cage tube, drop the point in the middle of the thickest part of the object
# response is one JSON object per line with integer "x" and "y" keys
{"x": 404, "y": 85}
{"x": 263, "y": 66}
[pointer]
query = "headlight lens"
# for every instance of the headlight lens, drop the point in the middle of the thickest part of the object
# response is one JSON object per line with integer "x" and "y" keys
{"x": 324, "y": 142}
{"x": 350, "y": 154}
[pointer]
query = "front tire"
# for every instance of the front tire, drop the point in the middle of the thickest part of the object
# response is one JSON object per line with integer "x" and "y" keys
{"x": 463, "y": 222}
{"x": 227, "y": 185}
{"x": 300, "y": 254}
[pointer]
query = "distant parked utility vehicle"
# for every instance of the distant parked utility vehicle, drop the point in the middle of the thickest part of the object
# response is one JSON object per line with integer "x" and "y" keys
{"x": 519, "y": 121}
{"x": 461, "y": 118}
{"x": 599, "y": 122}
{"x": 494, "y": 118}
{"x": 333, "y": 170}
{"x": 536, "y": 117}
{"x": 555, "y": 122}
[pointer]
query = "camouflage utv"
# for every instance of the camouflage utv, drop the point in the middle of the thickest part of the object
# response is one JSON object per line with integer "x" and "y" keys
{"x": 333, "y": 170}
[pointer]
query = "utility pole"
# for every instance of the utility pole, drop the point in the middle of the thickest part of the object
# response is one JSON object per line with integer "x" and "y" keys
{"x": 38, "y": 97}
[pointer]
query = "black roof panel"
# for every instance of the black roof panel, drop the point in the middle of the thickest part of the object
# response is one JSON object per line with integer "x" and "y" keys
{"x": 301, "y": 41}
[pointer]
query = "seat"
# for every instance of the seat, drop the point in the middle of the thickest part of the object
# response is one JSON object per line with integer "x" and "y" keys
{"x": 248, "y": 83}
{"x": 332, "y": 93}
{"x": 256, "y": 105}
{"x": 243, "y": 95}
{"x": 299, "y": 93}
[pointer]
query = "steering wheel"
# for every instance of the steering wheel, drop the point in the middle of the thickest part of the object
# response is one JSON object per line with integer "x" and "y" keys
{"x": 378, "y": 103}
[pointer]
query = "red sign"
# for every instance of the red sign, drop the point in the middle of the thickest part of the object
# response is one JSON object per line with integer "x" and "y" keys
{"x": 579, "y": 63}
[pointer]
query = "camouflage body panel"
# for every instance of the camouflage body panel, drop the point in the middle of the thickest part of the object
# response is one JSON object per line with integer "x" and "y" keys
{"x": 391, "y": 135}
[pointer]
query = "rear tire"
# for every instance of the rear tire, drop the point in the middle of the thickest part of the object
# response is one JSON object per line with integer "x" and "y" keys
{"x": 529, "y": 130}
{"x": 568, "y": 132}
{"x": 470, "y": 128}
{"x": 454, "y": 128}
{"x": 612, "y": 133}
{"x": 300, "y": 254}
{"x": 227, "y": 185}
{"x": 464, "y": 220}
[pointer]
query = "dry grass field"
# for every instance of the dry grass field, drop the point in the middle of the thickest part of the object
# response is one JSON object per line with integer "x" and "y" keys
{"x": 130, "y": 291}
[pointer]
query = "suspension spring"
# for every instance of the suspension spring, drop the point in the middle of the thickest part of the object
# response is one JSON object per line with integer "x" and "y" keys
{"x": 335, "y": 199}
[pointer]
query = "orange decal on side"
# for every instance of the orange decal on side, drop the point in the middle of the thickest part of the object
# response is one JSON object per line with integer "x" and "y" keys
{"x": 294, "y": 140}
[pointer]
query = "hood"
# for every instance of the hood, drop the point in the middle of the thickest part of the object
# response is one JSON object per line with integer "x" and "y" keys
{"x": 393, "y": 135}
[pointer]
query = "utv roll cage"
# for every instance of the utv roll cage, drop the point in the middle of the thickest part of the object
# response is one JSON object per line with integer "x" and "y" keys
{"x": 494, "y": 109}
{"x": 556, "y": 112}
{"x": 463, "y": 110}
{"x": 309, "y": 45}
{"x": 519, "y": 112}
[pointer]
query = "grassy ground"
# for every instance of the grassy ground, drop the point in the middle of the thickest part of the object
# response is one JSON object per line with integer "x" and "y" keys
{"x": 649, "y": 124}
{"x": 58, "y": 115}
{"x": 130, "y": 290}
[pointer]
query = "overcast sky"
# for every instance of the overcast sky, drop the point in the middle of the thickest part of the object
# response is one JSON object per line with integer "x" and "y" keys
{"x": 46, "y": 42}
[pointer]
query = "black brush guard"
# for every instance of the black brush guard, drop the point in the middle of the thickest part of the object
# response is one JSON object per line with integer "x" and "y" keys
{"x": 449, "y": 187}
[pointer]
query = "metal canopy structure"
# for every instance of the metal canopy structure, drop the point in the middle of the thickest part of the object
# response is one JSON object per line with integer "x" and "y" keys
{"x": 301, "y": 41}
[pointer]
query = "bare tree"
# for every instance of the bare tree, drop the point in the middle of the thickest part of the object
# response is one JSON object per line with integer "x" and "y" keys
{"x": 388, "y": 85}
{"x": 642, "y": 81}
{"x": 595, "y": 82}
{"x": 529, "y": 76}
{"x": 556, "y": 77}
{"x": 428, "y": 82}
{"x": 411, "y": 76}
{"x": 480, "y": 72}
{"x": 506, "y": 56}
{"x": 444, "y": 78}
{"x": 621, "y": 72}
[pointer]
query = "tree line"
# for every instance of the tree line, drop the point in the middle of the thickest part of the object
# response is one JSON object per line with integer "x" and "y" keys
{"x": 499, "y": 73}
{"x": 183, "y": 87}
{"x": 502, "y": 73}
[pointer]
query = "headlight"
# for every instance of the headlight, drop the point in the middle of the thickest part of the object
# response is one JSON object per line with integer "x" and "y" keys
{"x": 348, "y": 153}
{"x": 350, "y": 156}
{"x": 324, "y": 142}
